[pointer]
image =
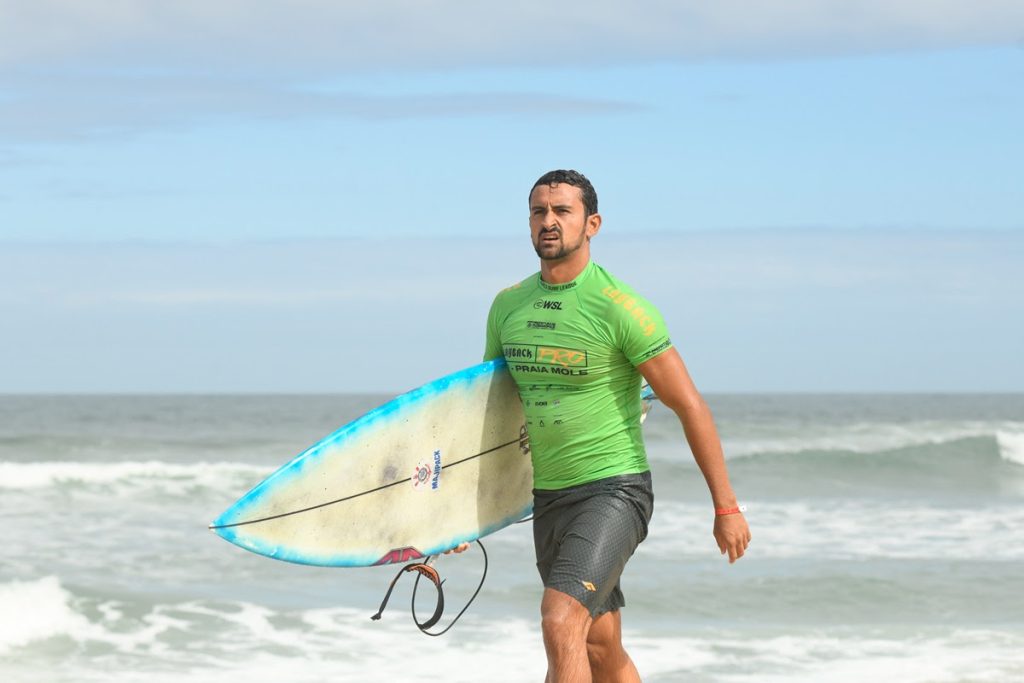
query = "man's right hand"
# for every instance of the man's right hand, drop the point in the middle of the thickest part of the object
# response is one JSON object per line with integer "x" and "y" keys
{"x": 460, "y": 548}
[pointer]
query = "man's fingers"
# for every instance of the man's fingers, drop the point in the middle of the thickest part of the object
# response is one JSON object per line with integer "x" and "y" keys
{"x": 735, "y": 547}
{"x": 732, "y": 535}
{"x": 736, "y": 551}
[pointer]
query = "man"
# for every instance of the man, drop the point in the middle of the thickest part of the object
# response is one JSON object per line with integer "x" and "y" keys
{"x": 577, "y": 341}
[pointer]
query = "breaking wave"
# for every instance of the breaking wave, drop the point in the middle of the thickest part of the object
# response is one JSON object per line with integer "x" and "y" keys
{"x": 863, "y": 438}
{"x": 170, "y": 477}
{"x": 120, "y": 640}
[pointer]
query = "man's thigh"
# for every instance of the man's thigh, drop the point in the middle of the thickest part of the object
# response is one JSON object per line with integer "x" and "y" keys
{"x": 582, "y": 548}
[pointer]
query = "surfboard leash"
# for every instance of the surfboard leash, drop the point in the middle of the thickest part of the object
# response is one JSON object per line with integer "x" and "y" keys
{"x": 425, "y": 569}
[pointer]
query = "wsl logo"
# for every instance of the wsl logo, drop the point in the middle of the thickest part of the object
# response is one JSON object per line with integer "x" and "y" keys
{"x": 546, "y": 305}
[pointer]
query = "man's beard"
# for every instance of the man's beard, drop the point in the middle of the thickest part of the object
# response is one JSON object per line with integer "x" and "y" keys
{"x": 563, "y": 249}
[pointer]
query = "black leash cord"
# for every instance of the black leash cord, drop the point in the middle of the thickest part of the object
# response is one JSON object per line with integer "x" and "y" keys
{"x": 423, "y": 569}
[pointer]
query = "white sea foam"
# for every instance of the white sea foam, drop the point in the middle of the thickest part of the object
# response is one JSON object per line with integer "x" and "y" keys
{"x": 38, "y": 610}
{"x": 171, "y": 477}
{"x": 1011, "y": 445}
{"x": 245, "y": 641}
{"x": 34, "y": 610}
{"x": 199, "y": 641}
{"x": 977, "y": 656}
{"x": 849, "y": 529}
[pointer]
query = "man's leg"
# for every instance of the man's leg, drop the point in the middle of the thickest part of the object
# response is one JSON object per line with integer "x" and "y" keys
{"x": 565, "y": 623}
{"x": 609, "y": 662}
{"x": 582, "y": 547}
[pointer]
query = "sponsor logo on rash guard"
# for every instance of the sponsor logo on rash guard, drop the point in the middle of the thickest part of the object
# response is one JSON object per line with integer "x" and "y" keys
{"x": 657, "y": 349}
{"x": 558, "y": 288}
{"x": 548, "y": 305}
{"x": 548, "y": 369}
{"x": 632, "y": 305}
{"x": 563, "y": 357}
{"x": 547, "y": 355}
{"x": 519, "y": 351}
{"x": 537, "y": 325}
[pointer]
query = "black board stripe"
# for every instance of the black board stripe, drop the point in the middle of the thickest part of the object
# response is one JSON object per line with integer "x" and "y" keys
{"x": 363, "y": 493}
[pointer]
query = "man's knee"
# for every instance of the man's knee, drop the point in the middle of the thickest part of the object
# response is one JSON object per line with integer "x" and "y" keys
{"x": 603, "y": 655}
{"x": 604, "y": 642}
{"x": 563, "y": 618}
{"x": 563, "y": 624}
{"x": 557, "y": 625}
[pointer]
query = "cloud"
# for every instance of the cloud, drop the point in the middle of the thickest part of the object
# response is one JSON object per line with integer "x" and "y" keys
{"x": 89, "y": 105}
{"x": 71, "y": 70}
{"x": 10, "y": 158}
{"x": 216, "y": 297}
{"x": 940, "y": 266}
{"x": 328, "y": 36}
{"x": 303, "y": 273}
{"x": 79, "y": 106}
{"x": 772, "y": 310}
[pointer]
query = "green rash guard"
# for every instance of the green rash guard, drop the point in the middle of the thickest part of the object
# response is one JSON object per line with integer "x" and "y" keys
{"x": 573, "y": 349}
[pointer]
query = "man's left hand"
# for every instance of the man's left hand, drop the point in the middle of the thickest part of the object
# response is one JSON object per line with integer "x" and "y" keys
{"x": 732, "y": 534}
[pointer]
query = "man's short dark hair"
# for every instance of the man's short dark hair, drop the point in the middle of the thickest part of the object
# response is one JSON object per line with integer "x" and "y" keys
{"x": 574, "y": 178}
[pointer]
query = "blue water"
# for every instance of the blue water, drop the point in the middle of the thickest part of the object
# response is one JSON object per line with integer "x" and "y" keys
{"x": 888, "y": 535}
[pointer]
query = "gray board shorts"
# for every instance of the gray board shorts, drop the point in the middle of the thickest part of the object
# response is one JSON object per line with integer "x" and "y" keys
{"x": 583, "y": 535}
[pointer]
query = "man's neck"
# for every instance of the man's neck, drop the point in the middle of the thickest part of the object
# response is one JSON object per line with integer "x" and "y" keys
{"x": 564, "y": 270}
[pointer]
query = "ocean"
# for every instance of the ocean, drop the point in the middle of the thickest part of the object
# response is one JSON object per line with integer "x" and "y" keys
{"x": 888, "y": 545}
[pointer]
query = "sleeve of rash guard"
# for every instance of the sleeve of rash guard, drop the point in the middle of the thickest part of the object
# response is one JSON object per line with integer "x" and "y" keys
{"x": 643, "y": 333}
{"x": 492, "y": 345}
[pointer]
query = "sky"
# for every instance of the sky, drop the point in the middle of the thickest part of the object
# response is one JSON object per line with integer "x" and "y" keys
{"x": 315, "y": 196}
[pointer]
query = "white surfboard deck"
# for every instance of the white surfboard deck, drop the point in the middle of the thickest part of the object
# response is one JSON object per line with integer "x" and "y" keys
{"x": 443, "y": 464}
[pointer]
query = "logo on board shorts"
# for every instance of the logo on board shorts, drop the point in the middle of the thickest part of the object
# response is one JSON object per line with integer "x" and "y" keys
{"x": 589, "y": 586}
{"x": 427, "y": 475}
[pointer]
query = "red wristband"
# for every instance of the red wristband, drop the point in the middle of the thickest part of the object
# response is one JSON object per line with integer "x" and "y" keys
{"x": 729, "y": 511}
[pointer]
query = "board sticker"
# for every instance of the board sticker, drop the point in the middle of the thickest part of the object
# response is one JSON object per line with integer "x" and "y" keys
{"x": 399, "y": 555}
{"x": 427, "y": 476}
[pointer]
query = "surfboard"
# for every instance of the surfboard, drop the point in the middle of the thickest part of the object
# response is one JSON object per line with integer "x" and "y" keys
{"x": 443, "y": 464}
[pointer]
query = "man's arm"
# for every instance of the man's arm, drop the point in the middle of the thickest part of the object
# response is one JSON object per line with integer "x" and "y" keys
{"x": 671, "y": 382}
{"x": 492, "y": 339}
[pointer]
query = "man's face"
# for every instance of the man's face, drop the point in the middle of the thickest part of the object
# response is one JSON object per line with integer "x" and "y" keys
{"x": 558, "y": 226}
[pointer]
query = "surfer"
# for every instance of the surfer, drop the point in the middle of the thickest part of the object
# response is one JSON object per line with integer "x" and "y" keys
{"x": 577, "y": 341}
